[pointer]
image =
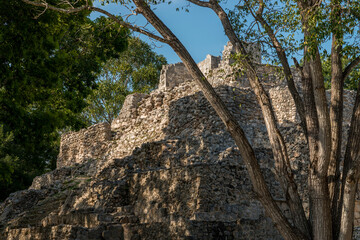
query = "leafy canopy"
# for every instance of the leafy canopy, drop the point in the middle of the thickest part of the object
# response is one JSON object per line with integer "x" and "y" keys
{"x": 135, "y": 70}
{"x": 48, "y": 67}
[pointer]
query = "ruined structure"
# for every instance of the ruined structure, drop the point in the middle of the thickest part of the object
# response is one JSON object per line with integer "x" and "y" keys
{"x": 165, "y": 168}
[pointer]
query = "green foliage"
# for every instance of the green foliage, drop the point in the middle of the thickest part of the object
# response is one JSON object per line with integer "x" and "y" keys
{"x": 280, "y": 15}
{"x": 136, "y": 70}
{"x": 48, "y": 67}
{"x": 7, "y": 162}
{"x": 284, "y": 17}
{"x": 105, "y": 102}
{"x": 351, "y": 82}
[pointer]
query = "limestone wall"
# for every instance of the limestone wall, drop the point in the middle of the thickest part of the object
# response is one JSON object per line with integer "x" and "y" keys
{"x": 209, "y": 63}
{"x": 172, "y": 75}
{"x": 129, "y": 109}
{"x": 166, "y": 168}
{"x": 175, "y": 74}
{"x": 78, "y": 147}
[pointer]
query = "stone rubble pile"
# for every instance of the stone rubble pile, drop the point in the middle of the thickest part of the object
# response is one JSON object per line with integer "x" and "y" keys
{"x": 165, "y": 168}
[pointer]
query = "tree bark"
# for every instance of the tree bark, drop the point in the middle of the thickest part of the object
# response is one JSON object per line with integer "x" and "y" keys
{"x": 284, "y": 62}
{"x": 317, "y": 185}
{"x": 351, "y": 174}
{"x": 318, "y": 188}
{"x": 336, "y": 116}
{"x": 320, "y": 148}
{"x": 321, "y": 200}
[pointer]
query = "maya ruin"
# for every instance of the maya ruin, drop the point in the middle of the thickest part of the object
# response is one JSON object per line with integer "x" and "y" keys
{"x": 166, "y": 168}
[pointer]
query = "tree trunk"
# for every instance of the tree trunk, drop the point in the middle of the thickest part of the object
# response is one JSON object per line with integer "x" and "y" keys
{"x": 336, "y": 116}
{"x": 282, "y": 162}
{"x": 351, "y": 174}
{"x": 287, "y": 71}
{"x": 320, "y": 212}
{"x": 320, "y": 216}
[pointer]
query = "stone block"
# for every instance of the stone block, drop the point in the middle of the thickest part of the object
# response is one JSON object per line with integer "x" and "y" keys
{"x": 129, "y": 107}
{"x": 114, "y": 232}
{"x": 210, "y": 63}
{"x": 89, "y": 143}
{"x": 172, "y": 75}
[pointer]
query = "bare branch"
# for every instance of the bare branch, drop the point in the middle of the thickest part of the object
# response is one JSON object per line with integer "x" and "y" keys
{"x": 128, "y": 25}
{"x": 201, "y": 3}
{"x": 91, "y": 8}
{"x": 41, "y": 13}
{"x": 67, "y": 11}
{"x": 351, "y": 67}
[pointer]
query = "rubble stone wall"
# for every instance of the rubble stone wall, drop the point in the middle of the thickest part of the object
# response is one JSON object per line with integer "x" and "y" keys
{"x": 210, "y": 63}
{"x": 78, "y": 147}
{"x": 172, "y": 75}
{"x": 175, "y": 74}
{"x": 166, "y": 168}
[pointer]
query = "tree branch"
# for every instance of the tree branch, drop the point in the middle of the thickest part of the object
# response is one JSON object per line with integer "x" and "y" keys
{"x": 91, "y": 8}
{"x": 299, "y": 104}
{"x": 62, "y": 10}
{"x": 201, "y": 3}
{"x": 351, "y": 67}
{"x": 128, "y": 25}
{"x": 351, "y": 173}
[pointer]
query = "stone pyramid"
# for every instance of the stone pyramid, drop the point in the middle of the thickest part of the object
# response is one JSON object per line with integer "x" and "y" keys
{"x": 166, "y": 168}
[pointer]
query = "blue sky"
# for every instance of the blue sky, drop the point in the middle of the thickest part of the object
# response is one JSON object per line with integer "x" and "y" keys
{"x": 199, "y": 29}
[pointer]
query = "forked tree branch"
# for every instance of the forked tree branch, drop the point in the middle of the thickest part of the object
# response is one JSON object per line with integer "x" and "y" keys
{"x": 351, "y": 67}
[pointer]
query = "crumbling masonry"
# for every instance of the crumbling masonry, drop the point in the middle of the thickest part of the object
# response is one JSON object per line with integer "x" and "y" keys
{"x": 166, "y": 168}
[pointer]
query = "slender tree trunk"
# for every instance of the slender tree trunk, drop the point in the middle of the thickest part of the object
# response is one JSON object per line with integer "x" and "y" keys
{"x": 336, "y": 116}
{"x": 317, "y": 185}
{"x": 287, "y": 71}
{"x": 320, "y": 216}
{"x": 351, "y": 174}
{"x": 348, "y": 205}
{"x": 282, "y": 162}
{"x": 311, "y": 123}
{"x": 320, "y": 212}
{"x": 260, "y": 188}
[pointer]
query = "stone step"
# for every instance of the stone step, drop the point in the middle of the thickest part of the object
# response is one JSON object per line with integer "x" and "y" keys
{"x": 124, "y": 210}
{"x": 66, "y": 231}
{"x": 126, "y": 219}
